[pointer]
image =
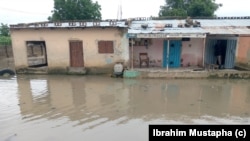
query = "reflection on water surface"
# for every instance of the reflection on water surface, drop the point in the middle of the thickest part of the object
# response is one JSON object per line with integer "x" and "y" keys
{"x": 47, "y": 107}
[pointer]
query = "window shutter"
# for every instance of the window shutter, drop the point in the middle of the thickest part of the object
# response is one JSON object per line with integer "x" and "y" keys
{"x": 101, "y": 46}
{"x": 105, "y": 47}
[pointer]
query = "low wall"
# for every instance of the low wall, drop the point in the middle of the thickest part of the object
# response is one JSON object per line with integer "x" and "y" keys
{"x": 63, "y": 70}
{"x": 6, "y": 51}
{"x": 191, "y": 75}
{"x": 6, "y": 57}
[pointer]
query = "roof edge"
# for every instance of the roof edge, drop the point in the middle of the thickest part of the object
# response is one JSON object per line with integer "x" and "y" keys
{"x": 72, "y": 24}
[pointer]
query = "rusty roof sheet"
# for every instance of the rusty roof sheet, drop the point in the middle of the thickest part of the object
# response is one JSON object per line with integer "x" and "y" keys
{"x": 210, "y": 26}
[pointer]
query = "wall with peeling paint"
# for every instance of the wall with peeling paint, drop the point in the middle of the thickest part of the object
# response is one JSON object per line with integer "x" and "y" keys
{"x": 57, "y": 45}
{"x": 191, "y": 54}
{"x": 154, "y": 50}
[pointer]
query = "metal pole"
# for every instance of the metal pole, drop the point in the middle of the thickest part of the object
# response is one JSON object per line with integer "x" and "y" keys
{"x": 203, "y": 53}
{"x": 168, "y": 55}
{"x": 132, "y": 63}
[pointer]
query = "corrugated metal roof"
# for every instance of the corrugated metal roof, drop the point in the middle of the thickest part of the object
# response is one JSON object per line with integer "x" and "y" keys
{"x": 210, "y": 26}
{"x": 228, "y": 30}
{"x": 225, "y": 22}
{"x": 72, "y": 24}
{"x": 167, "y": 30}
{"x": 226, "y": 26}
{"x": 204, "y": 22}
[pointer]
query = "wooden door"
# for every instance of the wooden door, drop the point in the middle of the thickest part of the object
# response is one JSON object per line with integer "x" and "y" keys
{"x": 76, "y": 54}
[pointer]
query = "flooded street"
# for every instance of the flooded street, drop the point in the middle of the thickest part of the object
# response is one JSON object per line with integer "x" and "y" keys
{"x": 100, "y": 108}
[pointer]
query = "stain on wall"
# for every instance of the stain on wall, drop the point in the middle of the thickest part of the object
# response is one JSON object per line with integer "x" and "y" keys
{"x": 192, "y": 52}
{"x": 109, "y": 60}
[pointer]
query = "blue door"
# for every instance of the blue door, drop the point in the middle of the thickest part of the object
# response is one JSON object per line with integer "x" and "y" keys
{"x": 209, "y": 52}
{"x": 230, "y": 54}
{"x": 174, "y": 59}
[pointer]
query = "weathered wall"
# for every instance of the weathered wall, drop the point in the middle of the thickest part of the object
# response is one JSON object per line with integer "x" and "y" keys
{"x": 193, "y": 74}
{"x": 6, "y": 51}
{"x": 192, "y": 52}
{"x": 57, "y": 46}
{"x": 154, "y": 50}
{"x": 243, "y": 53}
{"x": 6, "y": 57}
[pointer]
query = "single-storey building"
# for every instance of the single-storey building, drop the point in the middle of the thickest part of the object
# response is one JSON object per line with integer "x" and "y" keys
{"x": 185, "y": 43}
{"x": 96, "y": 46}
{"x": 69, "y": 47}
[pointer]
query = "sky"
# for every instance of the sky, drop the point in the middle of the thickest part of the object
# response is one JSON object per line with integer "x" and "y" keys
{"x": 27, "y": 11}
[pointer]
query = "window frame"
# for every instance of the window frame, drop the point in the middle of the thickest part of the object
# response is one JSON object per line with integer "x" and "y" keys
{"x": 105, "y": 47}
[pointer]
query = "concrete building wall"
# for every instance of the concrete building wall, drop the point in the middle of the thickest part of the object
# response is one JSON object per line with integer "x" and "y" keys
{"x": 154, "y": 50}
{"x": 192, "y": 52}
{"x": 243, "y": 52}
{"x": 57, "y": 46}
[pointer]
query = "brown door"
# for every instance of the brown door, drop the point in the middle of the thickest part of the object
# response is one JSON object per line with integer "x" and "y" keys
{"x": 76, "y": 54}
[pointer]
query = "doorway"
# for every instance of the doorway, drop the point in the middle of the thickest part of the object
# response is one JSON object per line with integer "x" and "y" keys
{"x": 76, "y": 54}
{"x": 228, "y": 49}
{"x": 174, "y": 58}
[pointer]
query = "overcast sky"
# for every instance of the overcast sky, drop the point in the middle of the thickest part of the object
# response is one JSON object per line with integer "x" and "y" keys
{"x": 26, "y": 11}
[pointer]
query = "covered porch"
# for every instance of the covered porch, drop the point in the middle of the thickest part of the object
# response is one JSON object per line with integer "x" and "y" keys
{"x": 166, "y": 45}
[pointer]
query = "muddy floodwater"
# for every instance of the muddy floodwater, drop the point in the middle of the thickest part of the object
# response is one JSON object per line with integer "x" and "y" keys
{"x": 100, "y": 108}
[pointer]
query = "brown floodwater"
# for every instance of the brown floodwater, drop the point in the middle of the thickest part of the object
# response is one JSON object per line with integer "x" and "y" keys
{"x": 100, "y": 108}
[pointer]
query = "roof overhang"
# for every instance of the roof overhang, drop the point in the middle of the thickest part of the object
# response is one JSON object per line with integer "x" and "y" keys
{"x": 178, "y": 28}
{"x": 227, "y": 30}
{"x": 166, "y": 35}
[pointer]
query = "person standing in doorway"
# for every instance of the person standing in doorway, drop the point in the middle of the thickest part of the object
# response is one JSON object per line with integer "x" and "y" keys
{"x": 218, "y": 53}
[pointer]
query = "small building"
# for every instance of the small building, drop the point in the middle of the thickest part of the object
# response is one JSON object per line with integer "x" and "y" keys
{"x": 96, "y": 46}
{"x": 189, "y": 43}
{"x": 69, "y": 47}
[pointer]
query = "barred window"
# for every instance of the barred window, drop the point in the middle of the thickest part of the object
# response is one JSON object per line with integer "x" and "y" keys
{"x": 105, "y": 47}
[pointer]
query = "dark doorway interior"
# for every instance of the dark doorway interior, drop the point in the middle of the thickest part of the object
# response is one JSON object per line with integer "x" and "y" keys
{"x": 228, "y": 49}
{"x": 223, "y": 46}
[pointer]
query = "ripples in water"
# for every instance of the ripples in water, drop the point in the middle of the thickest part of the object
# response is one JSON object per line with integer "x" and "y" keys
{"x": 97, "y": 108}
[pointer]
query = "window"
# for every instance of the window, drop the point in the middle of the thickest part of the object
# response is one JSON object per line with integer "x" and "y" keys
{"x": 35, "y": 49}
{"x": 36, "y": 53}
{"x": 105, "y": 47}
